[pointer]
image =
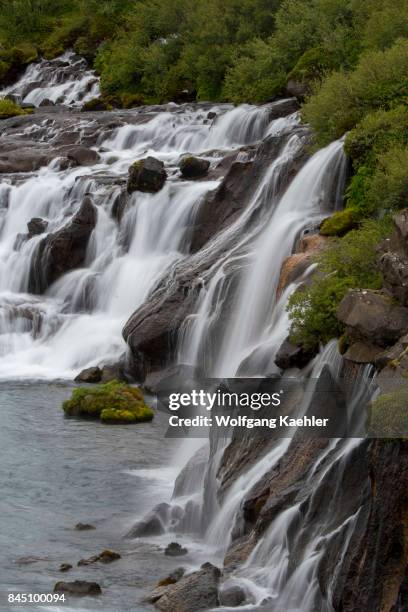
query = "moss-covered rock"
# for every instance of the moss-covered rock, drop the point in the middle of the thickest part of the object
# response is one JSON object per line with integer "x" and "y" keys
{"x": 113, "y": 402}
{"x": 96, "y": 104}
{"x": 389, "y": 414}
{"x": 146, "y": 175}
{"x": 340, "y": 223}
{"x": 8, "y": 109}
{"x": 13, "y": 61}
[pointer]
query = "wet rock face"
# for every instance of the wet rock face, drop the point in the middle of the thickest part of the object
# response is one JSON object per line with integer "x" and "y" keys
{"x": 63, "y": 250}
{"x": 89, "y": 375}
{"x": 151, "y": 332}
{"x": 196, "y": 591}
{"x": 372, "y": 316}
{"x": 294, "y": 355}
{"x": 36, "y": 226}
{"x": 146, "y": 175}
{"x": 373, "y": 574}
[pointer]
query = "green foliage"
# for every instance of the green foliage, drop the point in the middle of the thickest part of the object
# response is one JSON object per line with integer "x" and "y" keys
{"x": 346, "y": 263}
{"x": 389, "y": 186}
{"x": 379, "y": 81}
{"x": 8, "y": 109}
{"x": 113, "y": 402}
{"x": 376, "y": 133}
{"x": 389, "y": 414}
{"x": 340, "y": 223}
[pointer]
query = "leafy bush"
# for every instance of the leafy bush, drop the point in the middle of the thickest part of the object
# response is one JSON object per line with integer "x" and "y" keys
{"x": 346, "y": 263}
{"x": 389, "y": 186}
{"x": 380, "y": 80}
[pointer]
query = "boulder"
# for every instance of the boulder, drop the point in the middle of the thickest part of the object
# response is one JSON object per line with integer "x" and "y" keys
{"x": 84, "y": 527}
{"x": 146, "y": 175}
{"x": 197, "y": 591}
{"x": 78, "y": 588}
{"x": 298, "y": 89}
{"x": 89, "y": 375}
{"x": 65, "y": 567}
{"x": 294, "y": 355}
{"x": 36, "y": 226}
{"x": 63, "y": 250}
{"x": 232, "y": 596}
{"x": 106, "y": 556}
{"x": 153, "y": 523}
{"x": 113, "y": 371}
{"x": 372, "y": 316}
{"x": 46, "y": 102}
{"x": 282, "y": 108}
{"x": 362, "y": 352}
{"x": 175, "y": 550}
{"x": 194, "y": 167}
{"x": 82, "y": 156}
{"x": 173, "y": 577}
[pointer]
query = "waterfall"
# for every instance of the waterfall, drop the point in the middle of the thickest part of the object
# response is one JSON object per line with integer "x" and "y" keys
{"x": 78, "y": 321}
{"x": 64, "y": 80}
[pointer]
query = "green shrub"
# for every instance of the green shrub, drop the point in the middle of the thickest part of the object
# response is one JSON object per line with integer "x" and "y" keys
{"x": 8, "y": 109}
{"x": 379, "y": 81}
{"x": 388, "y": 188}
{"x": 340, "y": 223}
{"x": 376, "y": 133}
{"x": 112, "y": 402}
{"x": 346, "y": 263}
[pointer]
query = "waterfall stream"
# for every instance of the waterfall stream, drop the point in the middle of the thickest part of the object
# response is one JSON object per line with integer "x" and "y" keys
{"x": 237, "y": 324}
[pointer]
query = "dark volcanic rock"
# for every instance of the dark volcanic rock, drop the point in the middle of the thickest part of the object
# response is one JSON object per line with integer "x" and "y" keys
{"x": 81, "y": 156}
{"x": 193, "y": 167}
{"x": 372, "y": 316}
{"x": 294, "y": 355}
{"x": 373, "y": 572}
{"x": 36, "y": 226}
{"x": 63, "y": 250}
{"x": 394, "y": 268}
{"x": 78, "y": 588}
{"x": 106, "y": 556}
{"x": 65, "y": 567}
{"x": 89, "y": 375}
{"x": 174, "y": 549}
{"x": 84, "y": 527}
{"x": 232, "y": 596}
{"x": 146, "y": 175}
{"x": 197, "y": 591}
{"x": 153, "y": 523}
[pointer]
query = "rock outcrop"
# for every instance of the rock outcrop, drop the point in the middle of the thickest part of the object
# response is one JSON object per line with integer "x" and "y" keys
{"x": 196, "y": 591}
{"x": 78, "y": 588}
{"x": 372, "y": 316}
{"x": 63, "y": 250}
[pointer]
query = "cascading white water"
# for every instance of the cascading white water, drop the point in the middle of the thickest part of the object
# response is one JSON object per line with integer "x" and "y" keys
{"x": 64, "y": 80}
{"x": 79, "y": 320}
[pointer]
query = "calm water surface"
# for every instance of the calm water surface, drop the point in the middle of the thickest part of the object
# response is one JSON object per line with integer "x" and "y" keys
{"x": 56, "y": 472}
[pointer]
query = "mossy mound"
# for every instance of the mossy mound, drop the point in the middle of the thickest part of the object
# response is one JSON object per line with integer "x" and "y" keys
{"x": 340, "y": 223}
{"x": 8, "y": 109}
{"x": 389, "y": 415}
{"x": 113, "y": 402}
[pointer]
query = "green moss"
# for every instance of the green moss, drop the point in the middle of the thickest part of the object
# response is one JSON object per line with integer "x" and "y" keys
{"x": 343, "y": 344}
{"x": 8, "y": 109}
{"x": 113, "y": 402}
{"x": 340, "y": 223}
{"x": 389, "y": 415}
